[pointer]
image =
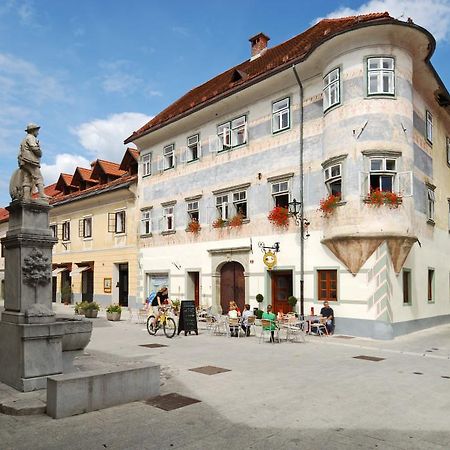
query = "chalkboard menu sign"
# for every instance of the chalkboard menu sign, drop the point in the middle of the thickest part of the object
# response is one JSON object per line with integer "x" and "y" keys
{"x": 188, "y": 317}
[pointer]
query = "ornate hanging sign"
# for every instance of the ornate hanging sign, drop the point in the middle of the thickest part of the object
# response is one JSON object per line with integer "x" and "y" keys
{"x": 270, "y": 259}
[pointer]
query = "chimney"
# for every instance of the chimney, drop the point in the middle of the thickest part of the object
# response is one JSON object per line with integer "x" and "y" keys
{"x": 258, "y": 44}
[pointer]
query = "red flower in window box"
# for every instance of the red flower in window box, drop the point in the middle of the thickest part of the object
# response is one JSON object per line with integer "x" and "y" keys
{"x": 236, "y": 221}
{"x": 219, "y": 223}
{"x": 279, "y": 217}
{"x": 377, "y": 198}
{"x": 392, "y": 200}
{"x": 194, "y": 226}
{"x": 329, "y": 204}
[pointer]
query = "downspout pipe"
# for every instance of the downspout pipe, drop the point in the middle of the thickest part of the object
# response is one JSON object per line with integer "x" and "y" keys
{"x": 302, "y": 218}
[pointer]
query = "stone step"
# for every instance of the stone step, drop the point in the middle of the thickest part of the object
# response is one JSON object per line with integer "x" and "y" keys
{"x": 23, "y": 407}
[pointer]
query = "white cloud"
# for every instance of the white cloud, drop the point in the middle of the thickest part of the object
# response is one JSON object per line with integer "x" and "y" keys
{"x": 103, "y": 138}
{"x": 121, "y": 83}
{"x": 64, "y": 163}
{"x": 434, "y": 15}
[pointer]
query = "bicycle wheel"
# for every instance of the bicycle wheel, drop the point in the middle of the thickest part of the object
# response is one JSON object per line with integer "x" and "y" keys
{"x": 152, "y": 327}
{"x": 169, "y": 327}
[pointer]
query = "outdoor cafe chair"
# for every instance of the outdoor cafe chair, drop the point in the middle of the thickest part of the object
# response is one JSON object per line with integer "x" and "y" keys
{"x": 266, "y": 326}
{"x": 234, "y": 323}
{"x": 251, "y": 323}
{"x": 319, "y": 328}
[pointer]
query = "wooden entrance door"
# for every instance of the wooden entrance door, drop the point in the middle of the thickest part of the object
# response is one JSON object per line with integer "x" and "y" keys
{"x": 196, "y": 279}
{"x": 281, "y": 290}
{"x": 232, "y": 285}
{"x": 87, "y": 285}
{"x": 123, "y": 284}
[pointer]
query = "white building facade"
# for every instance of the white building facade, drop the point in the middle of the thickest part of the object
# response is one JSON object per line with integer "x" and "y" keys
{"x": 371, "y": 117}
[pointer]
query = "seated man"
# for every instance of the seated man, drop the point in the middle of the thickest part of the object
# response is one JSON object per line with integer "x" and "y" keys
{"x": 327, "y": 314}
{"x": 269, "y": 315}
{"x": 245, "y": 315}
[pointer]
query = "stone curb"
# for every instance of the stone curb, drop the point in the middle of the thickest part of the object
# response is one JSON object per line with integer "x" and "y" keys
{"x": 22, "y": 407}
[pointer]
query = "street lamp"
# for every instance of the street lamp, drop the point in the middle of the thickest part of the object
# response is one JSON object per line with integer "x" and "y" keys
{"x": 296, "y": 210}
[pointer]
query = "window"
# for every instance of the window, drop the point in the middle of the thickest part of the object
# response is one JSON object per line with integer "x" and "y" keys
{"x": 430, "y": 285}
{"x": 193, "y": 148}
{"x": 116, "y": 222}
{"x": 280, "y": 194}
{"x": 85, "y": 227}
{"x": 168, "y": 157}
{"x": 382, "y": 173}
{"x": 66, "y": 231}
{"x": 54, "y": 230}
{"x": 222, "y": 206}
{"x": 280, "y": 115}
{"x": 380, "y": 76}
{"x": 146, "y": 221}
{"x": 429, "y": 127}
{"x": 331, "y": 89}
{"x": 327, "y": 285}
{"x": 333, "y": 179}
{"x": 406, "y": 287}
{"x": 430, "y": 203}
{"x": 147, "y": 164}
{"x": 240, "y": 203}
{"x": 168, "y": 217}
{"x": 192, "y": 210}
{"x": 232, "y": 134}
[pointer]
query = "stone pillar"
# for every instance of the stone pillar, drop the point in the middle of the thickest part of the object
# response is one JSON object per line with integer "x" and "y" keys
{"x": 30, "y": 337}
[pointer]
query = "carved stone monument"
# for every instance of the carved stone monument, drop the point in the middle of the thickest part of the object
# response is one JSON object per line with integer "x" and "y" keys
{"x": 30, "y": 336}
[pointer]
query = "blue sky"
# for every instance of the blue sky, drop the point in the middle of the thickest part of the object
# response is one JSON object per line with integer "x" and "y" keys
{"x": 90, "y": 72}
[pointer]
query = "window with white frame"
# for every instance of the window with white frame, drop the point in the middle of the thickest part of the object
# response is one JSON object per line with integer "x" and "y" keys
{"x": 280, "y": 193}
{"x": 222, "y": 206}
{"x": 331, "y": 89}
{"x": 54, "y": 230}
{"x": 281, "y": 115}
{"x": 66, "y": 230}
{"x": 429, "y": 126}
{"x": 169, "y": 157}
{"x": 193, "y": 147}
{"x": 233, "y": 133}
{"x": 146, "y": 221}
{"x": 119, "y": 222}
{"x": 193, "y": 211}
{"x": 382, "y": 174}
{"x": 168, "y": 218}
{"x": 85, "y": 227}
{"x": 147, "y": 164}
{"x": 333, "y": 179}
{"x": 380, "y": 76}
{"x": 430, "y": 203}
{"x": 240, "y": 203}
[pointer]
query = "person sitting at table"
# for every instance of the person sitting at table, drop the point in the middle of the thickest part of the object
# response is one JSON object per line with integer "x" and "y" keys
{"x": 245, "y": 315}
{"x": 233, "y": 314}
{"x": 269, "y": 315}
{"x": 234, "y": 305}
{"x": 327, "y": 315}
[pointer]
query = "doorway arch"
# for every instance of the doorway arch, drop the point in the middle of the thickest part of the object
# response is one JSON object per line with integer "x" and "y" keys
{"x": 232, "y": 285}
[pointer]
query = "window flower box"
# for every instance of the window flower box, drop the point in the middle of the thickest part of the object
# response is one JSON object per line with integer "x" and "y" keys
{"x": 236, "y": 221}
{"x": 377, "y": 198}
{"x": 194, "y": 226}
{"x": 219, "y": 223}
{"x": 329, "y": 204}
{"x": 279, "y": 217}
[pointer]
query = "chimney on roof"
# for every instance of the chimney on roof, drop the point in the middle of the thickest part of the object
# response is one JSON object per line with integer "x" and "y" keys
{"x": 259, "y": 44}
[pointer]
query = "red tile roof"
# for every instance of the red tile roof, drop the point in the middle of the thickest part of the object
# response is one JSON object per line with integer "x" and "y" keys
{"x": 4, "y": 215}
{"x": 278, "y": 57}
{"x": 131, "y": 155}
{"x": 51, "y": 190}
{"x": 110, "y": 168}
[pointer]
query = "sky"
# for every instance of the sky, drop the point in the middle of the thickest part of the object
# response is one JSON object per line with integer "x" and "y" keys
{"x": 91, "y": 72}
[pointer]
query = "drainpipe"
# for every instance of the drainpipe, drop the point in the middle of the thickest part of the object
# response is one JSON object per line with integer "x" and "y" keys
{"x": 302, "y": 219}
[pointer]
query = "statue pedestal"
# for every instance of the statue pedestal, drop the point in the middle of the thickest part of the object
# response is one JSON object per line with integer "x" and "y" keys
{"x": 31, "y": 339}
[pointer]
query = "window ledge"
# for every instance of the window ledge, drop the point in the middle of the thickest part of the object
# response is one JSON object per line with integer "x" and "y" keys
{"x": 88, "y": 239}
{"x": 193, "y": 161}
{"x": 119, "y": 234}
{"x": 341, "y": 203}
{"x": 431, "y": 222}
{"x": 147, "y": 175}
{"x": 168, "y": 168}
{"x": 167, "y": 232}
{"x": 407, "y": 304}
{"x": 146, "y": 235}
{"x": 331, "y": 108}
{"x": 283, "y": 130}
{"x": 381, "y": 95}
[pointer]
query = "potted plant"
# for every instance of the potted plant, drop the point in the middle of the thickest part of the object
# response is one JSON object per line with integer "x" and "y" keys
{"x": 279, "y": 217}
{"x": 66, "y": 294}
{"x": 194, "y": 226}
{"x": 259, "y": 299}
{"x": 79, "y": 308}
{"x": 91, "y": 309}
{"x": 176, "y": 305}
{"x": 292, "y": 301}
{"x": 329, "y": 204}
{"x": 236, "y": 221}
{"x": 219, "y": 223}
{"x": 113, "y": 312}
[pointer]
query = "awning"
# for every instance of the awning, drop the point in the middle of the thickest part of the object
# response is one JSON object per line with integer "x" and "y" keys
{"x": 78, "y": 270}
{"x": 58, "y": 270}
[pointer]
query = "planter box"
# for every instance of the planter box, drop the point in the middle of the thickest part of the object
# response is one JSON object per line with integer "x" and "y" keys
{"x": 91, "y": 313}
{"x": 113, "y": 316}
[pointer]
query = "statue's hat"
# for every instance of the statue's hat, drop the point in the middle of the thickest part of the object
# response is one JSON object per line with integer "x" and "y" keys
{"x": 32, "y": 126}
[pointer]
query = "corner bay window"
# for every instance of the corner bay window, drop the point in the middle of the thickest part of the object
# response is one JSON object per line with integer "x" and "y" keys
{"x": 146, "y": 221}
{"x": 280, "y": 194}
{"x": 333, "y": 179}
{"x": 331, "y": 89}
{"x": 233, "y": 133}
{"x": 382, "y": 174}
{"x": 380, "y": 76}
{"x": 327, "y": 285}
{"x": 280, "y": 115}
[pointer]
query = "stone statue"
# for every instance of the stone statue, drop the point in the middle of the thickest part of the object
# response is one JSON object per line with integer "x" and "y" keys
{"x": 28, "y": 175}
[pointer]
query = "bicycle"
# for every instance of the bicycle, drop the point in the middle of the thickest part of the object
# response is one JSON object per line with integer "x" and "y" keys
{"x": 164, "y": 321}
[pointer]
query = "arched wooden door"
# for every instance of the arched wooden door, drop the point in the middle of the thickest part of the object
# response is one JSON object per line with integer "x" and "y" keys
{"x": 232, "y": 285}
